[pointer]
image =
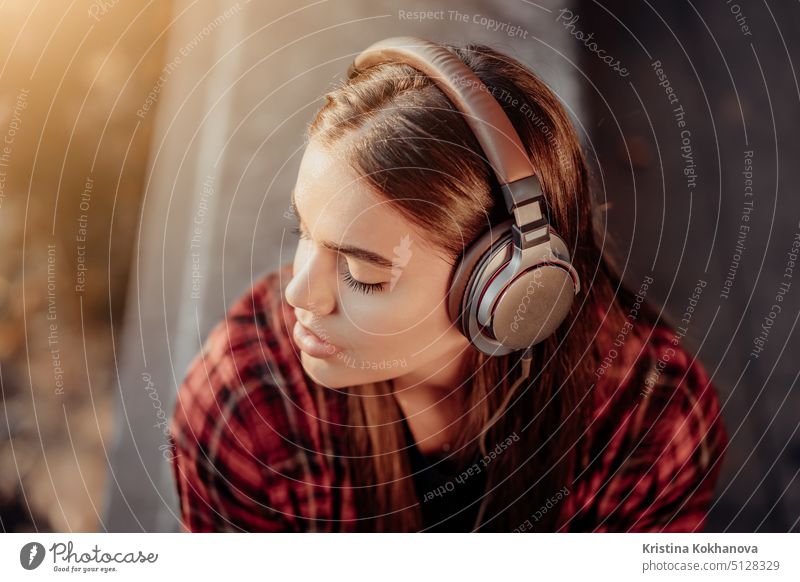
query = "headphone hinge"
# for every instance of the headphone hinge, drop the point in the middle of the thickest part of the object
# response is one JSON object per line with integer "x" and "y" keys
{"x": 525, "y": 203}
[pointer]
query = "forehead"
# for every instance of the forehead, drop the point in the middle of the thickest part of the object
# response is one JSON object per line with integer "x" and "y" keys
{"x": 337, "y": 204}
{"x": 327, "y": 186}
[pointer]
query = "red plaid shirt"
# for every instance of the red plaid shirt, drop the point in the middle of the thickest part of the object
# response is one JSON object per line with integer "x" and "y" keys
{"x": 250, "y": 454}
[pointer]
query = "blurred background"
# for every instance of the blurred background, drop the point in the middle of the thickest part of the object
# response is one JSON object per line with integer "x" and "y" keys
{"x": 147, "y": 150}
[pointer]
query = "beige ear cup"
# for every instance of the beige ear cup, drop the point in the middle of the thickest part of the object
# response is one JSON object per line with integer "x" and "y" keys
{"x": 479, "y": 252}
{"x": 505, "y": 300}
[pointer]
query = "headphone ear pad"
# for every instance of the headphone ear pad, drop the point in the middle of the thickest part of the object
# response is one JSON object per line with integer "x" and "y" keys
{"x": 464, "y": 274}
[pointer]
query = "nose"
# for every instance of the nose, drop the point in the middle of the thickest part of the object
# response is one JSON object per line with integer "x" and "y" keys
{"x": 311, "y": 285}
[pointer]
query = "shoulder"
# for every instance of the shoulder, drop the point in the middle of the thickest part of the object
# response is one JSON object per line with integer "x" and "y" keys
{"x": 244, "y": 363}
{"x": 253, "y": 332}
{"x": 656, "y": 438}
{"x": 660, "y": 383}
{"x": 677, "y": 400}
{"x": 244, "y": 412}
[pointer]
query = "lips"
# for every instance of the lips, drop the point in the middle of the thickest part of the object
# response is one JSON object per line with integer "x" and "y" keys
{"x": 311, "y": 343}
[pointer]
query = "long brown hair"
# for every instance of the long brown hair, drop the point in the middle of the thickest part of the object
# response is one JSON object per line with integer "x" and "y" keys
{"x": 398, "y": 130}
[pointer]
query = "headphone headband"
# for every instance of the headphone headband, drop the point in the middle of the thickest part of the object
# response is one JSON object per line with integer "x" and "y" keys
{"x": 466, "y": 91}
{"x": 499, "y": 140}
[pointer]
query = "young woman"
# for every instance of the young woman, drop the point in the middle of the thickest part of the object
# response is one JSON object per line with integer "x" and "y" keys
{"x": 338, "y": 395}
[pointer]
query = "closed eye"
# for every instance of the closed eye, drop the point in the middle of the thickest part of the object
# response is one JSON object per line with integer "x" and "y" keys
{"x": 347, "y": 276}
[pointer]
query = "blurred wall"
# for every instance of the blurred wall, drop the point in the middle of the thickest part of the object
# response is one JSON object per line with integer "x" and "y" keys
{"x": 73, "y": 154}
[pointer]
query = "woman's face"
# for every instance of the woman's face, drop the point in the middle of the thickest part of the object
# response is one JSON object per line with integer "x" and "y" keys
{"x": 366, "y": 283}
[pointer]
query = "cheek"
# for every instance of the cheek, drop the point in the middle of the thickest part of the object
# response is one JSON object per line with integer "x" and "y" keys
{"x": 369, "y": 316}
{"x": 396, "y": 318}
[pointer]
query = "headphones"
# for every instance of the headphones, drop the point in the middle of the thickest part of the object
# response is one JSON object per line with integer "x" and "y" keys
{"x": 514, "y": 285}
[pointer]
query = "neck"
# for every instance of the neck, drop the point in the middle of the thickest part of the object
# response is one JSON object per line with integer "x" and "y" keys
{"x": 429, "y": 400}
{"x": 440, "y": 376}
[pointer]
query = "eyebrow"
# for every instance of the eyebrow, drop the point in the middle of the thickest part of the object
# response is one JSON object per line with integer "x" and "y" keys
{"x": 349, "y": 250}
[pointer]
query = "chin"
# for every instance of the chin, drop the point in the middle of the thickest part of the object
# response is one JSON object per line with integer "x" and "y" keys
{"x": 327, "y": 372}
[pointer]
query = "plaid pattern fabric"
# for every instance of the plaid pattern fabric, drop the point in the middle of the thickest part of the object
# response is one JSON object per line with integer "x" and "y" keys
{"x": 250, "y": 454}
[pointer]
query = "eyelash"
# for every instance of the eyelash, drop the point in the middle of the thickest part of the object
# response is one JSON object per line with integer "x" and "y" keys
{"x": 356, "y": 285}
